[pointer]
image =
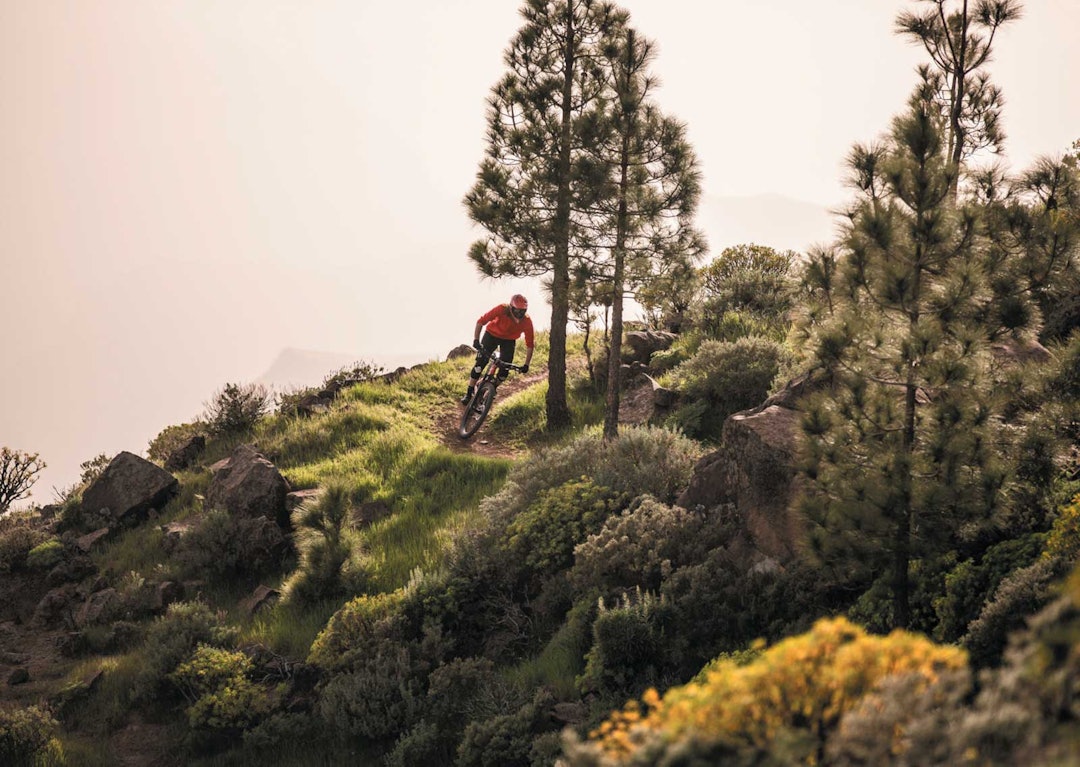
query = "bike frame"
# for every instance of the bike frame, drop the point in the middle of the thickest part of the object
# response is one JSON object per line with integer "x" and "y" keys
{"x": 476, "y": 411}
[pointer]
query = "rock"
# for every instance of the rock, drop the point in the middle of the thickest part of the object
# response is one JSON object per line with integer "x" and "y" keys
{"x": 663, "y": 398}
{"x": 173, "y": 533}
{"x": 754, "y": 468}
{"x": 126, "y": 491}
{"x": 393, "y": 375}
{"x": 86, "y": 543}
{"x": 367, "y": 514}
{"x": 18, "y": 676}
{"x": 185, "y": 455}
{"x": 165, "y": 594}
{"x": 299, "y": 497}
{"x": 71, "y": 570}
{"x": 56, "y": 608}
{"x": 1015, "y": 352}
{"x": 641, "y": 345}
{"x": 102, "y": 607}
{"x": 263, "y": 596}
{"x": 570, "y": 713}
{"x": 250, "y": 486}
{"x": 461, "y": 352}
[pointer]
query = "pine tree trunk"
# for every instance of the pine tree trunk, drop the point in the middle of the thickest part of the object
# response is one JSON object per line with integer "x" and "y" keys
{"x": 558, "y": 413}
{"x": 614, "y": 382}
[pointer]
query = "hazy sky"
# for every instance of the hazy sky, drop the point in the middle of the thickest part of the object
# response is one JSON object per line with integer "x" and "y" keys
{"x": 189, "y": 186}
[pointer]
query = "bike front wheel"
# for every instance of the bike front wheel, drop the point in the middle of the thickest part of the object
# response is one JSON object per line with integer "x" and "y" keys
{"x": 477, "y": 410}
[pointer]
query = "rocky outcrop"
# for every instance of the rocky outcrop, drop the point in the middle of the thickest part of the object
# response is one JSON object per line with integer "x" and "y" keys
{"x": 125, "y": 493}
{"x": 641, "y": 345}
{"x": 459, "y": 352}
{"x": 755, "y": 470}
{"x": 186, "y": 455}
{"x": 262, "y": 597}
{"x": 249, "y": 485}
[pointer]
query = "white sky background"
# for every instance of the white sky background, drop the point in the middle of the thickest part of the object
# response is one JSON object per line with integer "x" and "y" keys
{"x": 189, "y": 186}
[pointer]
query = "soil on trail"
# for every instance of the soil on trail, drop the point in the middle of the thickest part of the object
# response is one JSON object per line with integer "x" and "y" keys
{"x": 635, "y": 408}
{"x": 485, "y": 441}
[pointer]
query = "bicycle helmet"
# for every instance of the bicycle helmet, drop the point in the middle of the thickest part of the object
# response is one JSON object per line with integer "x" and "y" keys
{"x": 518, "y": 306}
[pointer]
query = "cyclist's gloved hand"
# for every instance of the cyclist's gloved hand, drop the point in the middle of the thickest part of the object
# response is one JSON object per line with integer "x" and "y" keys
{"x": 524, "y": 369}
{"x": 476, "y": 344}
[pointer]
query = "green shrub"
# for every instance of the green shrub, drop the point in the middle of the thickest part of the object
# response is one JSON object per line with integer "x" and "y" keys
{"x": 643, "y": 545}
{"x": 542, "y": 538}
{"x": 221, "y": 547}
{"x": 506, "y": 740}
{"x": 424, "y": 743}
{"x": 378, "y": 699}
{"x": 1063, "y": 541}
{"x": 45, "y": 555}
{"x": 221, "y": 696}
{"x": 724, "y": 378}
{"x": 358, "y": 630}
{"x": 1019, "y": 595}
{"x": 28, "y": 737}
{"x": 171, "y": 438}
{"x": 970, "y": 585}
{"x": 170, "y": 640}
{"x": 236, "y": 408}
{"x": 328, "y": 547}
{"x": 628, "y": 643}
{"x": 18, "y": 537}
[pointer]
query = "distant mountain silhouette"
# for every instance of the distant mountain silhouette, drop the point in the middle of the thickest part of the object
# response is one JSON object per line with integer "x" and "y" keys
{"x": 305, "y": 367}
{"x": 767, "y": 219}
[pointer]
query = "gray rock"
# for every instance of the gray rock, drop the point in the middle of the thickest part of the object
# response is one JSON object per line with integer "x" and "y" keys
{"x": 185, "y": 455}
{"x": 461, "y": 352}
{"x": 71, "y": 570}
{"x": 249, "y": 486}
{"x": 367, "y": 514}
{"x": 754, "y": 468}
{"x": 262, "y": 597}
{"x": 126, "y": 491}
{"x": 641, "y": 345}
{"x": 86, "y": 542}
{"x": 102, "y": 607}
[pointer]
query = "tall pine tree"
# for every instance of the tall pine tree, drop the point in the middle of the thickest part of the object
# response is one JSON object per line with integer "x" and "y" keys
{"x": 647, "y": 204}
{"x": 899, "y": 454}
{"x": 539, "y": 174}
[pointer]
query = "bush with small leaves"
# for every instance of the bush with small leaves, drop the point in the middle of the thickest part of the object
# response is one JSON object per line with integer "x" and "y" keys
{"x": 628, "y": 646}
{"x": 781, "y": 707}
{"x": 506, "y": 740}
{"x": 360, "y": 629}
{"x": 378, "y": 699}
{"x": 724, "y": 378}
{"x": 542, "y": 538}
{"x": 236, "y": 408}
{"x": 19, "y": 535}
{"x": 643, "y": 545}
{"x": 170, "y": 640}
{"x": 45, "y": 555}
{"x": 222, "y": 547}
{"x": 970, "y": 585}
{"x": 172, "y": 438}
{"x": 1063, "y": 541}
{"x": 1019, "y": 595}
{"x": 28, "y": 737}
{"x": 220, "y": 694}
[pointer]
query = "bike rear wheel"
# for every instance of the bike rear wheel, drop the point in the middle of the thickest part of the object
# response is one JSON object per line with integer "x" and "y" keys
{"x": 477, "y": 410}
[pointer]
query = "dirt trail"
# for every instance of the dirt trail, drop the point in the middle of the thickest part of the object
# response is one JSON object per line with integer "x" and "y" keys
{"x": 485, "y": 442}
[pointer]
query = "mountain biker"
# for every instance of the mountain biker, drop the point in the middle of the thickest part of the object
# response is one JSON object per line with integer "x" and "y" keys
{"x": 505, "y": 324}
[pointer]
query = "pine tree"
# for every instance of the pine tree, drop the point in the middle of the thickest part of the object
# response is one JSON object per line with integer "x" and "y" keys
{"x": 899, "y": 454}
{"x": 652, "y": 190}
{"x": 959, "y": 36}
{"x": 538, "y": 174}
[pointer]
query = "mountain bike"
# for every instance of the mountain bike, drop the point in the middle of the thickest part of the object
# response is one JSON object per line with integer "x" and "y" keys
{"x": 484, "y": 395}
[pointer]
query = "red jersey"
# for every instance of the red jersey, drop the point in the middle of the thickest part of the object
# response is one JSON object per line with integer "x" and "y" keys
{"x": 501, "y": 324}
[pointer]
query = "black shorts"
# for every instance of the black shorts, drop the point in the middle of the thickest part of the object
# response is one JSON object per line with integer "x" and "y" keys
{"x": 488, "y": 344}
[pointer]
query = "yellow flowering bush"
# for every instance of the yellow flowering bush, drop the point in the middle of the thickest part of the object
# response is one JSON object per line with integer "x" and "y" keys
{"x": 802, "y": 686}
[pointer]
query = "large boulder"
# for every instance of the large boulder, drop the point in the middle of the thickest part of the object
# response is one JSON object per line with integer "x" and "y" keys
{"x": 641, "y": 345}
{"x": 126, "y": 492}
{"x": 249, "y": 485}
{"x": 754, "y": 468}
